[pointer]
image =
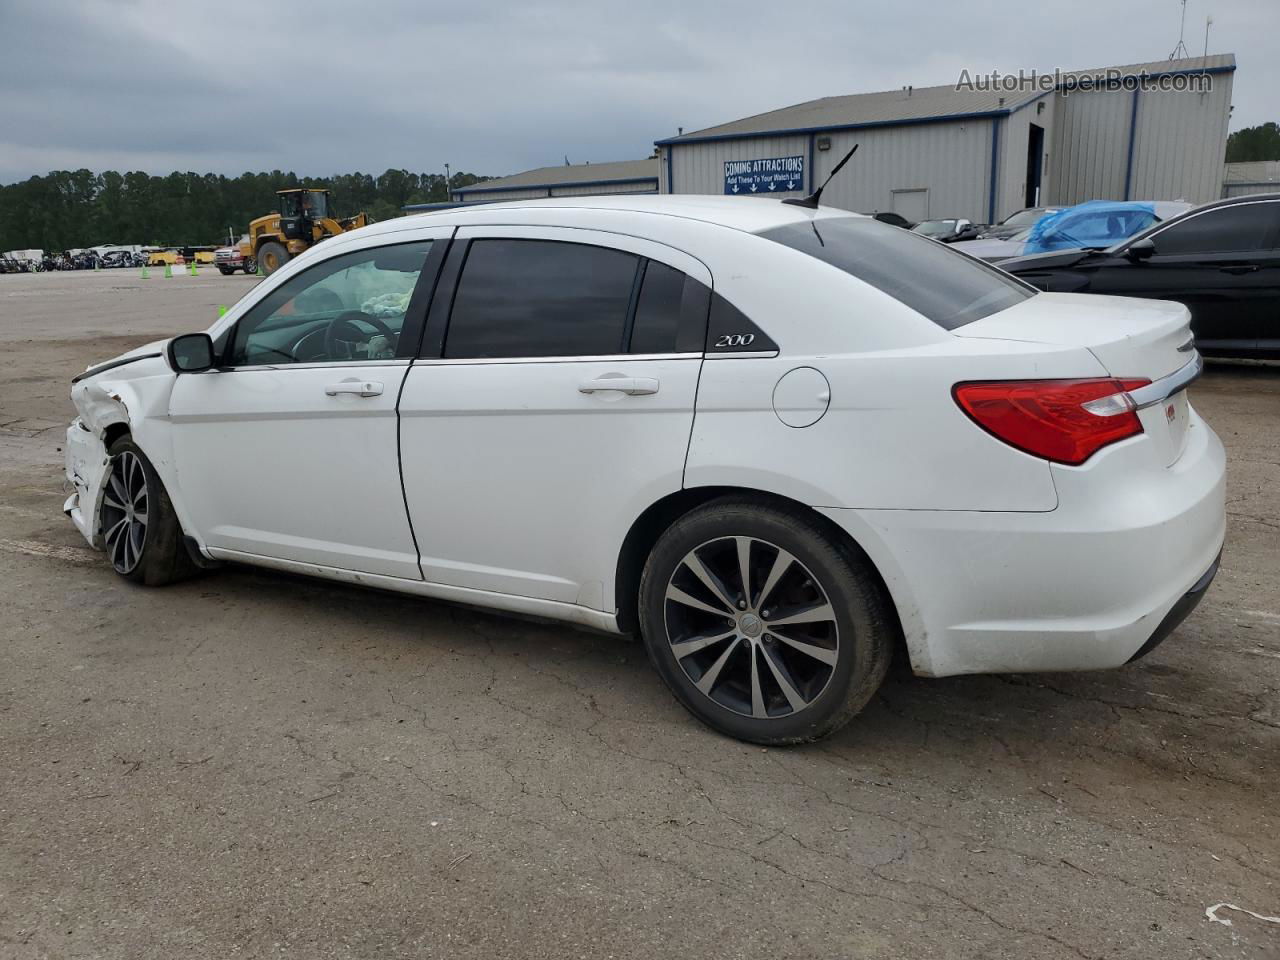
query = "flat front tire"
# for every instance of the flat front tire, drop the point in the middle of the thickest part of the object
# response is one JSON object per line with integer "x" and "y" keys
{"x": 762, "y": 624}
{"x": 141, "y": 533}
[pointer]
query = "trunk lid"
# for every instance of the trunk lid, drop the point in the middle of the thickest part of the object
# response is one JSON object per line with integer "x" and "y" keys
{"x": 1131, "y": 338}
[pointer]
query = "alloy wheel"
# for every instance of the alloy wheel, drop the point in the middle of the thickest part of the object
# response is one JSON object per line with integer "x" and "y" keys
{"x": 751, "y": 627}
{"x": 124, "y": 512}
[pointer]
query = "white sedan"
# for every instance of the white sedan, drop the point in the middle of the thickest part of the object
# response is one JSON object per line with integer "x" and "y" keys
{"x": 780, "y": 443}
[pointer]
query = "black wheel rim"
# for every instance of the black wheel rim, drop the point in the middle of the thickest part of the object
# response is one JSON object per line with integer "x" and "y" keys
{"x": 751, "y": 627}
{"x": 124, "y": 512}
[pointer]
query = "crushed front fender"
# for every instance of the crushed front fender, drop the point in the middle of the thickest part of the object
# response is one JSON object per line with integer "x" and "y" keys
{"x": 87, "y": 465}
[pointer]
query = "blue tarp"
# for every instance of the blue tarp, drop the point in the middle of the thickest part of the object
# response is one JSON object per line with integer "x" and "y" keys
{"x": 1098, "y": 223}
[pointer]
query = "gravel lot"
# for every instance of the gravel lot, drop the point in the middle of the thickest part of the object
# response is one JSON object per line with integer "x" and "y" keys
{"x": 251, "y": 764}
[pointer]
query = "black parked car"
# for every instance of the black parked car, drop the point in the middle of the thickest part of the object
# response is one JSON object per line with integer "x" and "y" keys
{"x": 1221, "y": 259}
{"x": 897, "y": 219}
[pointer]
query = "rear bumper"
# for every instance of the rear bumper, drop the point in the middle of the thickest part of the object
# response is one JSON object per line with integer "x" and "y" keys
{"x": 1181, "y": 610}
{"x": 1090, "y": 585}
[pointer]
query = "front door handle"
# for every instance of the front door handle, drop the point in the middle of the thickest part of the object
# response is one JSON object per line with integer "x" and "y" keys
{"x": 631, "y": 386}
{"x": 361, "y": 388}
{"x": 1236, "y": 269}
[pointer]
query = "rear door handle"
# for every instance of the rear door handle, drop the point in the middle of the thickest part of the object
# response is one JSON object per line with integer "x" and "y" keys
{"x": 361, "y": 388}
{"x": 1239, "y": 268}
{"x": 631, "y": 386}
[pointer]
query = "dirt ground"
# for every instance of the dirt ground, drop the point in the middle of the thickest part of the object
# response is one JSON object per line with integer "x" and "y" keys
{"x": 251, "y": 764}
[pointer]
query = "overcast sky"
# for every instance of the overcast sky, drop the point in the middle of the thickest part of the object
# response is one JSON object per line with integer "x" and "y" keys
{"x": 330, "y": 86}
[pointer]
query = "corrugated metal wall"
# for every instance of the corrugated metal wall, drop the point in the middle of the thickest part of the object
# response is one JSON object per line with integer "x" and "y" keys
{"x": 1180, "y": 143}
{"x": 1091, "y": 146}
{"x": 1250, "y": 177}
{"x": 530, "y": 194}
{"x": 949, "y": 159}
{"x": 1179, "y": 140}
{"x": 535, "y": 193}
{"x": 1011, "y": 192}
{"x": 699, "y": 167}
{"x": 1248, "y": 189}
{"x": 602, "y": 189}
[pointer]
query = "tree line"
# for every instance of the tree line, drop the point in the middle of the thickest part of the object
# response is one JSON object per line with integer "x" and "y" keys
{"x": 68, "y": 209}
{"x": 1254, "y": 143}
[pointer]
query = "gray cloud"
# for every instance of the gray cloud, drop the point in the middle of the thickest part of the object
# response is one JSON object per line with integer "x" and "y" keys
{"x": 332, "y": 86}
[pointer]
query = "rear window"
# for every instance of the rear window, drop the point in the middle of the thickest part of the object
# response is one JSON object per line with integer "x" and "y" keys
{"x": 946, "y": 286}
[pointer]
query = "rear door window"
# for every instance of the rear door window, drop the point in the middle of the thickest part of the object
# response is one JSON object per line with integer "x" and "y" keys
{"x": 1249, "y": 226}
{"x": 541, "y": 298}
{"x": 657, "y": 322}
{"x": 946, "y": 286}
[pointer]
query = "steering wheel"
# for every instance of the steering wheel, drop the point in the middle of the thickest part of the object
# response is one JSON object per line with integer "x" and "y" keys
{"x": 345, "y": 323}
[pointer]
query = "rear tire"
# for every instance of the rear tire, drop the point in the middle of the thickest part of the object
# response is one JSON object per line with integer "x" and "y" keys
{"x": 250, "y": 267}
{"x": 143, "y": 537}
{"x": 793, "y": 656}
{"x": 271, "y": 257}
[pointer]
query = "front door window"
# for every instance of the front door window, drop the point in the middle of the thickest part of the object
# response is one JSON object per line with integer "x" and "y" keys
{"x": 349, "y": 308}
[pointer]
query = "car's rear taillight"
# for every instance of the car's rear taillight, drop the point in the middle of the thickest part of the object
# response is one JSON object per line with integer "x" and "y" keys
{"x": 1066, "y": 421}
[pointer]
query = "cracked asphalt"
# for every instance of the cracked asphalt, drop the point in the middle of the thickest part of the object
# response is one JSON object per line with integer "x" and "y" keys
{"x": 250, "y": 764}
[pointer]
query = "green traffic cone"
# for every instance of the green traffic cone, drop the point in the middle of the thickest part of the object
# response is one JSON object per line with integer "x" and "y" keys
{"x": 146, "y": 274}
{"x": 222, "y": 310}
{"x": 168, "y": 270}
{"x": 192, "y": 269}
{"x": 95, "y": 263}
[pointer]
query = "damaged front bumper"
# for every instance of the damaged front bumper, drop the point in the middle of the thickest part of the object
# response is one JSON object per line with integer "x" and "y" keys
{"x": 87, "y": 470}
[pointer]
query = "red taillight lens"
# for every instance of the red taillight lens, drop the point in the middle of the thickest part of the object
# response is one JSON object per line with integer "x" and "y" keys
{"x": 1048, "y": 418}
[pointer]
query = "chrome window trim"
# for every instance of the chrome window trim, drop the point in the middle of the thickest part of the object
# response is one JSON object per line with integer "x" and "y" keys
{"x": 596, "y": 358}
{"x": 1160, "y": 390}
{"x": 309, "y": 365}
{"x": 743, "y": 355}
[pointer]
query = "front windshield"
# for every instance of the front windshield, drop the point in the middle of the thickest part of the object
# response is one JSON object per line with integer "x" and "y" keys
{"x": 1023, "y": 218}
{"x": 304, "y": 203}
{"x": 315, "y": 205}
{"x": 935, "y": 228}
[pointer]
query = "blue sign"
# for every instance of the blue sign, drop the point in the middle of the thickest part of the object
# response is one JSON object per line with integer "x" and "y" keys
{"x": 763, "y": 176}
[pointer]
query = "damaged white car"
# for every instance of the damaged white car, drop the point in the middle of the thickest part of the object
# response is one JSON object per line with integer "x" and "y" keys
{"x": 778, "y": 441}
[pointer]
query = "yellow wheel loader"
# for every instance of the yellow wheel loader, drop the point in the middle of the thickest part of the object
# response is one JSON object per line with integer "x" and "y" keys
{"x": 303, "y": 220}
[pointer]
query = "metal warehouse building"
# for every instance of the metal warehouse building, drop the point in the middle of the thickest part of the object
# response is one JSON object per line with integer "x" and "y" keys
{"x": 1259, "y": 176}
{"x": 577, "y": 180}
{"x": 982, "y": 151}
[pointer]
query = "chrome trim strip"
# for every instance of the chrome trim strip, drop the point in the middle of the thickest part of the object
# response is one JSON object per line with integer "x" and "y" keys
{"x": 742, "y": 355}
{"x": 1164, "y": 388}
{"x": 310, "y": 365}
{"x": 602, "y": 358}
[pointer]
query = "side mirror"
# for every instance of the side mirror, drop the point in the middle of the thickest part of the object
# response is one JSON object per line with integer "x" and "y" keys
{"x": 1140, "y": 250}
{"x": 191, "y": 353}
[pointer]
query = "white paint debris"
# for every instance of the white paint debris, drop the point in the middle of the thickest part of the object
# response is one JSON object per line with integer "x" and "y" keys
{"x": 1212, "y": 914}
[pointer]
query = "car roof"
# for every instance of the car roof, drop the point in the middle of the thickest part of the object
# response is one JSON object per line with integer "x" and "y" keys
{"x": 1243, "y": 198}
{"x": 748, "y": 214}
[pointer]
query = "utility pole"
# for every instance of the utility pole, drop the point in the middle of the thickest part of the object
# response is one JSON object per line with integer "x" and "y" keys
{"x": 448, "y": 194}
{"x": 1208, "y": 22}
